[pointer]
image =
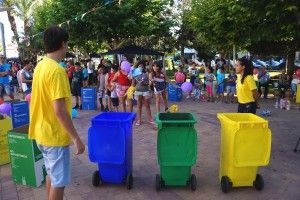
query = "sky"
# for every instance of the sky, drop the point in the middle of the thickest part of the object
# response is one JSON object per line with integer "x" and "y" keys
{"x": 8, "y": 34}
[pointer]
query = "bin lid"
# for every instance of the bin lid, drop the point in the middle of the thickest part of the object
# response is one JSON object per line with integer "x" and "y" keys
{"x": 243, "y": 120}
{"x": 176, "y": 118}
{"x": 114, "y": 117}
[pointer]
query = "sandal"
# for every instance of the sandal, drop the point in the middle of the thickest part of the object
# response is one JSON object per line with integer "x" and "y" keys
{"x": 138, "y": 122}
{"x": 152, "y": 122}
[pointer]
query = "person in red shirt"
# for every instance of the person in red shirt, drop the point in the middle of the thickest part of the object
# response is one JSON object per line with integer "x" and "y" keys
{"x": 122, "y": 84}
{"x": 70, "y": 70}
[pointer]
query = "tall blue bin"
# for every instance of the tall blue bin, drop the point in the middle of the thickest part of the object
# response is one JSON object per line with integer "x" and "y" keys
{"x": 110, "y": 145}
{"x": 89, "y": 98}
{"x": 174, "y": 93}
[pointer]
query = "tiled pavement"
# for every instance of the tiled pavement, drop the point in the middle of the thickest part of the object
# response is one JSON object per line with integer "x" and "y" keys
{"x": 282, "y": 176}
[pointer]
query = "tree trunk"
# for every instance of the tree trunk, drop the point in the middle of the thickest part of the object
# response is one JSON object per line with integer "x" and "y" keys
{"x": 291, "y": 62}
{"x": 13, "y": 25}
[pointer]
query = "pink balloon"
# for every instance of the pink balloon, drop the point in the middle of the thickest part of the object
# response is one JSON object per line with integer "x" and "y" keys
{"x": 28, "y": 97}
{"x": 5, "y": 108}
{"x": 125, "y": 66}
{"x": 298, "y": 72}
{"x": 186, "y": 87}
{"x": 180, "y": 77}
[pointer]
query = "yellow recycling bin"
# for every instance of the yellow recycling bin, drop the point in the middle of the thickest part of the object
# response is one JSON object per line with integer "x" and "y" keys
{"x": 5, "y": 126}
{"x": 245, "y": 145}
{"x": 298, "y": 94}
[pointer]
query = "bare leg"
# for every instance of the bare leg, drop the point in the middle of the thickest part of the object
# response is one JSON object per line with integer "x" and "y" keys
{"x": 139, "y": 108}
{"x": 56, "y": 193}
{"x": 109, "y": 104}
{"x": 129, "y": 104}
{"x": 148, "y": 110}
{"x": 123, "y": 104}
{"x": 157, "y": 100}
{"x": 48, "y": 186}
{"x": 164, "y": 96}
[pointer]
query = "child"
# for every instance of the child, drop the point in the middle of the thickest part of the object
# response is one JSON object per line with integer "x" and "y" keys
{"x": 285, "y": 102}
{"x": 141, "y": 83}
{"x": 85, "y": 75}
{"x": 231, "y": 86}
{"x": 220, "y": 82}
{"x": 295, "y": 82}
{"x": 179, "y": 76}
{"x": 77, "y": 83}
{"x": 209, "y": 78}
{"x": 113, "y": 101}
{"x": 101, "y": 86}
{"x": 122, "y": 84}
{"x": 197, "y": 89}
{"x": 159, "y": 79}
{"x": 194, "y": 73}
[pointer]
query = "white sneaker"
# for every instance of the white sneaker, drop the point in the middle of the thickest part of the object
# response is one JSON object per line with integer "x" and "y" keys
{"x": 188, "y": 97}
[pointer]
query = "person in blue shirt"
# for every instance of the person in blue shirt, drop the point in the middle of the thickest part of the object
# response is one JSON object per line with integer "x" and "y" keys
{"x": 85, "y": 75}
{"x": 5, "y": 72}
{"x": 220, "y": 82}
{"x": 231, "y": 86}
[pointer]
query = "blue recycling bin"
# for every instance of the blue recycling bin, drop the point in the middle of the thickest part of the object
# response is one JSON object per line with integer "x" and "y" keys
{"x": 89, "y": 98}
{"x": 174, "y": 92}
{"x": 110, "y": 145}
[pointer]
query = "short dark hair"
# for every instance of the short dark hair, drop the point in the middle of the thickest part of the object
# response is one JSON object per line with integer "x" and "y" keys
{"x": 53, "y": 37}
{"x": 26, "y": 62}
{"x": 77, "y": 64}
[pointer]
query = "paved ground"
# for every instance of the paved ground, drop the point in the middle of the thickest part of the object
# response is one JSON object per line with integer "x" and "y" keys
{"x": 282, "y": 176}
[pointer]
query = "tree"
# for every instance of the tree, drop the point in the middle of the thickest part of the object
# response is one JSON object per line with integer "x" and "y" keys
{"x": 264, "y": 27}
{"x": 24, "y": 10}
{"x": 110, "y": 24}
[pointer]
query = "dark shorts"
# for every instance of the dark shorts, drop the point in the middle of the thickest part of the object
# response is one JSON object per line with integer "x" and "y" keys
{"x": 115, "y": 101}
{"x": 247, "y": 107}
{"x": 76, "y": 90}
{"x": 192, "y": 80}
{"x": 108, "y": 93}
{"x": 86, "y": 78}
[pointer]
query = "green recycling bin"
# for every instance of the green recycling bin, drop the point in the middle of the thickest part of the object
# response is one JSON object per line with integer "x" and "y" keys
{"x": 176, "y": 149}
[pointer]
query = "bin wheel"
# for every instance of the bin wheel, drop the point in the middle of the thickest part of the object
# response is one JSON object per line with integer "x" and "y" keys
{"x": 259, "y": 182}
{"x": 225, "y": 184}
{"x": 158, "y": 183}
{"x": 193, "y": 182}
{"x": 96, "y": 179}
{"x": 129, "y": 181}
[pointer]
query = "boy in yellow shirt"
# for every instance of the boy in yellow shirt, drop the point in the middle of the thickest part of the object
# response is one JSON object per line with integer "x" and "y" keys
{"x": 50, "y": 114}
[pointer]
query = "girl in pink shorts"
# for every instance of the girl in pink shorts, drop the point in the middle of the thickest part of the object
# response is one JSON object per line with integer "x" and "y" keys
{"x": 209, "y": 78}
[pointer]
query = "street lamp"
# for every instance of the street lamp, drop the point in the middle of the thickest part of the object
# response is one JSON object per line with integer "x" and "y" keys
{"x": 3, "y": 9}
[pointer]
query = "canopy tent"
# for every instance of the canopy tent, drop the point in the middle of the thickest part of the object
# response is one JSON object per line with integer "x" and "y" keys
{"x": 131, "y": 49}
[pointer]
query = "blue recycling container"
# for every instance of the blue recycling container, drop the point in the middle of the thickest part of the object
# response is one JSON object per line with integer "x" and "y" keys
{"x": 110, "y": 145}
{"x": 174, "y": 93}
{"x": 89, "y": 98}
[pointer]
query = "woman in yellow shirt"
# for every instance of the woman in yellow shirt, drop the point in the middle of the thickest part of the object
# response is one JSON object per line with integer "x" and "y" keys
{"x": 246, "y": 88}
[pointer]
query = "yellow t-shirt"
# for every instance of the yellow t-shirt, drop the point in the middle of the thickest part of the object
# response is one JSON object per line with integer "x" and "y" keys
{"x": 50, "y": 82}
{"x": 244, "y": 91}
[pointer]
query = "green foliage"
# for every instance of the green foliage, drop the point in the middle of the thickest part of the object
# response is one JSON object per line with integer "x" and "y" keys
{"x": 112, "y": 25}
{"x": 261, "y": 26}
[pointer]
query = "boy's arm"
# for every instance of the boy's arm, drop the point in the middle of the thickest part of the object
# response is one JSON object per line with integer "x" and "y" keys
{"x": 63, "y": 115}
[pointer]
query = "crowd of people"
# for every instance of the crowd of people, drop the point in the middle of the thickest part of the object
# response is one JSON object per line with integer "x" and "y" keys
{"x": 148, "y": 80}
